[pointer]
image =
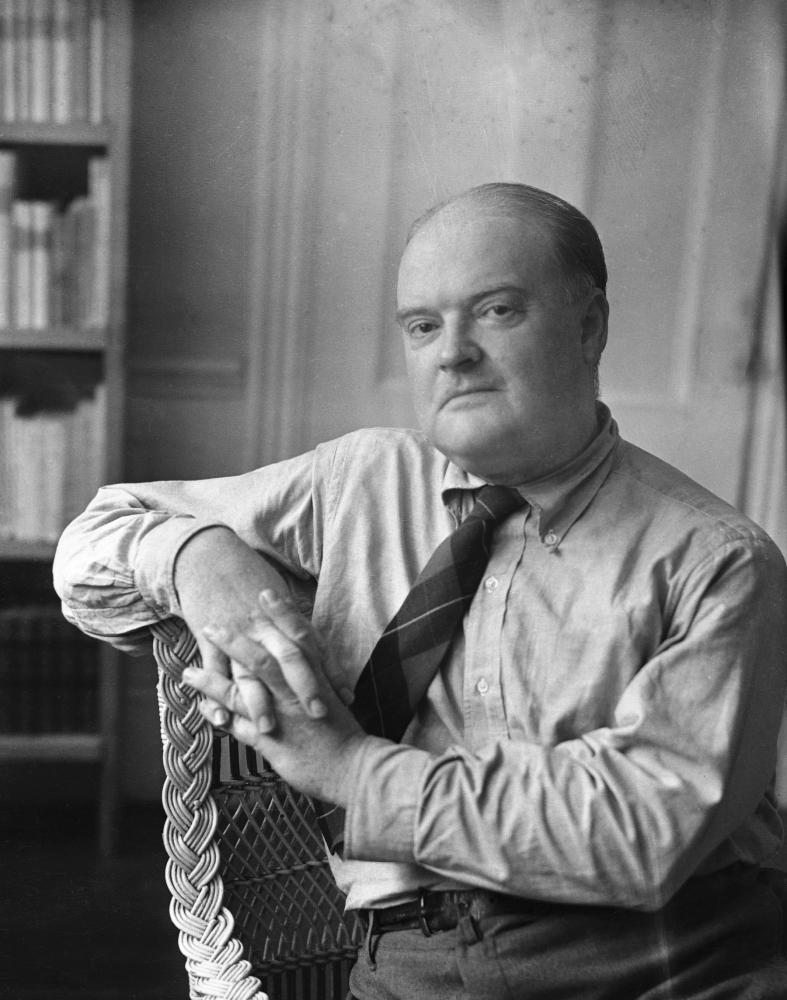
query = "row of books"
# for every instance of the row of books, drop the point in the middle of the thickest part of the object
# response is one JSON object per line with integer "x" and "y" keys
{"x": 51, "y": 464}
{"x": 54, "y": 262}
{"x": 52, "y": 59}
{"x": 49, "y": 674}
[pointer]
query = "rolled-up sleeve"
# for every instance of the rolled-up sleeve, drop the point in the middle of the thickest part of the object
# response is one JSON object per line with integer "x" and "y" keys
{"x": 113, "y": 567}
{"x": 626, "y": 813}
{"x": 114, "y": 564}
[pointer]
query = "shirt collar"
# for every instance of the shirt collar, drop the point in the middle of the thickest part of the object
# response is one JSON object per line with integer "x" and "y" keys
{"x": 560, "y": 497}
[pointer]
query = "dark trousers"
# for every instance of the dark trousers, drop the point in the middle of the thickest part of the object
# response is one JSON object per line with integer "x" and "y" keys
{"x": 719, "y": 938}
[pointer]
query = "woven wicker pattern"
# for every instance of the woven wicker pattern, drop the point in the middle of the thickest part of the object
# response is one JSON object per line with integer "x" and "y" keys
{"x": 252, "y": 894}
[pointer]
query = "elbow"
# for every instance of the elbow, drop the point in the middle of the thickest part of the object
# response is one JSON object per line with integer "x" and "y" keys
{"x": 70, "y": 566}
{"x": 63, "y": 570}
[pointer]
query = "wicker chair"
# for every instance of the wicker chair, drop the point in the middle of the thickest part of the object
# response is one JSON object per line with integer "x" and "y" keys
{"x": 252, "y": 892}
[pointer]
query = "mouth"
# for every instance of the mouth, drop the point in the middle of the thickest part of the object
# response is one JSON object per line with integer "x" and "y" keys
{"x": 466, "y": 394}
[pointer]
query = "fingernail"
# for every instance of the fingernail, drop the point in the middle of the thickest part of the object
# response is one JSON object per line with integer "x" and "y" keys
{"x": 265, "y": 724}
{"x": 347, "y": 695}
{"x": 221, "y": 717}
{"x": 269, "y": 596}
{"x": 317, "y": 709}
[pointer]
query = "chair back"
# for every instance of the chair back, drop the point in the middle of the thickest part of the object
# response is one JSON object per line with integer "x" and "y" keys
{"x": 253, "y": 896}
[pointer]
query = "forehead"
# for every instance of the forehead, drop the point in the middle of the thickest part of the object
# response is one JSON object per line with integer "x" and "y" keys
{"x": 463, "y": 250}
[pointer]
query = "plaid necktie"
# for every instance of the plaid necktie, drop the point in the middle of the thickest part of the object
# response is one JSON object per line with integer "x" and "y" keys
{"x": 409, "y": 652}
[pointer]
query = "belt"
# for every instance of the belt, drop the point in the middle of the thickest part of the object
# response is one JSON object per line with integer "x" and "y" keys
{"x": 441, "y": 911}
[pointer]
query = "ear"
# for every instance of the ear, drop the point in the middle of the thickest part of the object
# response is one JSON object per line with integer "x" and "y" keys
{"x": 594, "y": 327}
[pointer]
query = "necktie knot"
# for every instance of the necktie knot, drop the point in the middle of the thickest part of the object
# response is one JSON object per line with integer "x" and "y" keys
{"x": 495, "y": 503}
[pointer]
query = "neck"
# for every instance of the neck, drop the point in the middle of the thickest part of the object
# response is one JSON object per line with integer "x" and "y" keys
{"x": 515, "y": 469}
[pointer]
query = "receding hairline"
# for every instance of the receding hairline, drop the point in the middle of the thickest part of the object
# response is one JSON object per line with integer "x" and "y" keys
{"x": 575, "y": 243}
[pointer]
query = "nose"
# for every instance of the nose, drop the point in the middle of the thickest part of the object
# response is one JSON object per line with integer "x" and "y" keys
{"x": 458, "y": 347}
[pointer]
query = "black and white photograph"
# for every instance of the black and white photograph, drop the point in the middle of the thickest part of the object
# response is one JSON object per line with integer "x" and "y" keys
{"x": 393, "y": 500}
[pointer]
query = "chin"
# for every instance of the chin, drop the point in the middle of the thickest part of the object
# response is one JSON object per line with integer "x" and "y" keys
{"x": 477, "y": 456}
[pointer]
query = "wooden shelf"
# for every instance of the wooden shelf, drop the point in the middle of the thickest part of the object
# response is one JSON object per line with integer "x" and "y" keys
{"x": 51, "y": 746}
{"x": 22, "y": 551}
{"x": 58, "y": 339}
{"x": 53, "y": 134}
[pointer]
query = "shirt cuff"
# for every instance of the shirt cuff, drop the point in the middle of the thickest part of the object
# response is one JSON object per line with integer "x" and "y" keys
{"x": 384, "y": 791}
{"x": 154, "y": 563}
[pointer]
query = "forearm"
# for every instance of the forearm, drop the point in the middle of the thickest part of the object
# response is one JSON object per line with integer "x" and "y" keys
{"x": 216, "y": 573}
{"x": 114, "y": 566}
{"x": 573, "y": 824}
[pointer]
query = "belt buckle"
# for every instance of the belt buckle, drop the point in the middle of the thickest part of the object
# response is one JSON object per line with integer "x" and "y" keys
{"x": 423, "y": 920}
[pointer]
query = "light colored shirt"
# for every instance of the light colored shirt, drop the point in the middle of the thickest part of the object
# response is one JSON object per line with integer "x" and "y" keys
{"x": 605, "y": 725}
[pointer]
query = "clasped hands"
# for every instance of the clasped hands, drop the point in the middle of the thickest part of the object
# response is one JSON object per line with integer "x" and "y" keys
{"x": 277, "y": 698}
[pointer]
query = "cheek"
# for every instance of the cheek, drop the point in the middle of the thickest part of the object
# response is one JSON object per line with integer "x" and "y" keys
{"x": 420, "y": 382}
{"x": 542, "y": 374}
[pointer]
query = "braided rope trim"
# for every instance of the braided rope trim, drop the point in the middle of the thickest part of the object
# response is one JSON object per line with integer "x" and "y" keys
{"x": 214, "y": 956}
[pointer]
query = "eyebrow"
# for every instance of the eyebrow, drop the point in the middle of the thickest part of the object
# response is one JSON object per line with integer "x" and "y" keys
{"x": 404, "y": 314}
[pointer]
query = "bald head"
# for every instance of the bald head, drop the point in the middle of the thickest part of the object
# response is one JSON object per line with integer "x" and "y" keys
{"x": 573, "y": 240}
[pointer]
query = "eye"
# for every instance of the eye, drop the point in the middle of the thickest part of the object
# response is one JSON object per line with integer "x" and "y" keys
{"x": 498, "y": 310}
{"x": 420, "y": 328}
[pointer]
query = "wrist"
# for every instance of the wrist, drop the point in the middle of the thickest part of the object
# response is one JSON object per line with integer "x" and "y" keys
{"x": 345, "y": 767}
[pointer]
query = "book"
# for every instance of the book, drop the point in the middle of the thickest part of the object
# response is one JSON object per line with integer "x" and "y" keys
{"x": 99, "y": 193}
{"x": 7, "y": 407}
{"x": 49, "y": 676}
{"x": 85, "y": 450}
{"x": 96, "y": 34}
{"x": 51, "y": 465}
{"x": 79, "y": 61}
{"x": 26, "y": 498}
{"x": 57, "y": 268}
{"x": 62, "y": 60}
{"x": 53, "y": 430}
{"x": 83, "y": 260}
{"x": 21, "y": 264}
{"x": 74, "y": 262}
{"x": 8, "y": 59}
{"x": 41, "y": 220}
{"x": 22, "y": 59}
{"x": 40, "y": 69}
{"x": 7, "y": 176}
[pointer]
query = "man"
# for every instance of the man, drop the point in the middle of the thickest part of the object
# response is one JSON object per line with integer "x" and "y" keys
{"x": 581, "y": 801}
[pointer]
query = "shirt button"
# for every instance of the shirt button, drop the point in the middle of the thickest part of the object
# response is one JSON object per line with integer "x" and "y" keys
{"x": 491, "y": 583}
{"x": 550, "y": 538}
{"x": 482, "y": 687}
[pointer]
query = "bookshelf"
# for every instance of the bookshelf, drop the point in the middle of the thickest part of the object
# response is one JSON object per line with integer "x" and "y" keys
{"x": 64, "y": 130}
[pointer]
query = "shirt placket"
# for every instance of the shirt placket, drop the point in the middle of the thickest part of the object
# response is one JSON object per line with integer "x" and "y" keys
{"x": 484, "y": 712}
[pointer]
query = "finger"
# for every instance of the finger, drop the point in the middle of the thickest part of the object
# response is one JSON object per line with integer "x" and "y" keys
{"x": 256, "y": 696}
{"x": 217, "y": 691}
{"x": 279, "y": 631}
{"x": 256, "y": 673}
{"x": 246, "y": 732}
{"x": 221, "y": 719}
{"x": 292, "y": 622}
{"x": 242, "y": 729}
{"x": 214, "y": 662}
